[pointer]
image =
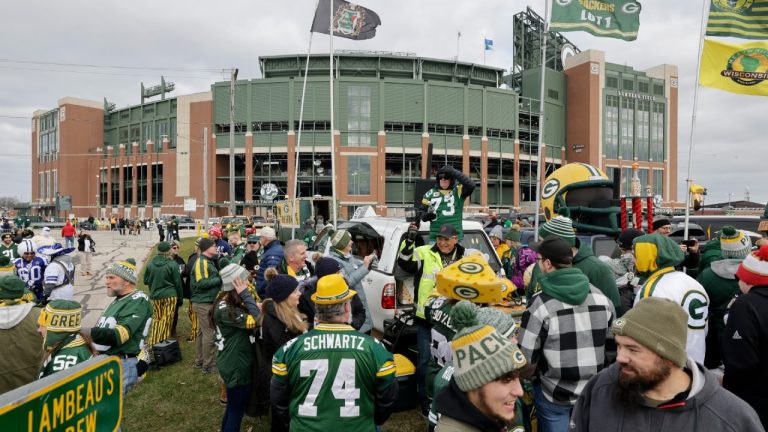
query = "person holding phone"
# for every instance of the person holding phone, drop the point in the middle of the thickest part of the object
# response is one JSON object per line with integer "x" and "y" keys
{"x": 353, "y": 269}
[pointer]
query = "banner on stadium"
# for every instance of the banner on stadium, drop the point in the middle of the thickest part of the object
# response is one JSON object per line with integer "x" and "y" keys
{"x": 746, "y": 19}
{"x": 618, "y": 19}
{"x": 739, "y": 68}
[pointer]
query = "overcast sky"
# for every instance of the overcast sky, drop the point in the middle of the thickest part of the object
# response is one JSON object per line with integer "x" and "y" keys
{"x": 187, "y": 41}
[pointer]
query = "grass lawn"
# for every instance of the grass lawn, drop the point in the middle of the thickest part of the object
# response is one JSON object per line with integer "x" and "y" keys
{"x": 181, "y": 398}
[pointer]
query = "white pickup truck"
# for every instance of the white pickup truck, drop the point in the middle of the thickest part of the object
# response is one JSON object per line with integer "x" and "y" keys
{"x": 383, "y": 235}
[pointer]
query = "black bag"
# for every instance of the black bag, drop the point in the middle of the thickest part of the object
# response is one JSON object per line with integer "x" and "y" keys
{"x": 166, "y": 352}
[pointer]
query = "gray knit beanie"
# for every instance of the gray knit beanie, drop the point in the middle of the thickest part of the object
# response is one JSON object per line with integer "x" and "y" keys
{"x": 125, "y": 270}
{"x": 560, "y": 226}
{"x": 658, "y": 324}
{"x": 734, "y": 244}
{"x": 480, "y": 353}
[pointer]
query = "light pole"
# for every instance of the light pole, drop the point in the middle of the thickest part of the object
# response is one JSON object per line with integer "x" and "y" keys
{"x": 98, "y": 194}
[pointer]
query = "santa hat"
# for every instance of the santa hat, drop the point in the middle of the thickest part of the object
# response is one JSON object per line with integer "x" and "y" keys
{"x": 754, "y": 269}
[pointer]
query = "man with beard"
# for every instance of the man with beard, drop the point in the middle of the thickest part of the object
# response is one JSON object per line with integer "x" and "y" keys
{"x": 654, "y": 385}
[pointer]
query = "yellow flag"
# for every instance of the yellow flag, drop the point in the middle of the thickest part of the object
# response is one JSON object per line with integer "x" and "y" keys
{"x": 739, "y": 68}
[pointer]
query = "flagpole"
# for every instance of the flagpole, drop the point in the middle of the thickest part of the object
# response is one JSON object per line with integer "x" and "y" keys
{"x": 333, "y": 138}
{"x": 541, "y": 121}
{"x": 689, "y": 180}
{"x": 485, "y": 48}
{"x": 298, "y": 137}
{"x": 458, "y": 38}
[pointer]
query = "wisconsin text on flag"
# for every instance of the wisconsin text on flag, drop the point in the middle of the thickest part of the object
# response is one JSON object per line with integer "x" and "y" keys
{"x": 739, "y": 68}
{"x": 349, "y": 20}
{"x": 747, "y": 19}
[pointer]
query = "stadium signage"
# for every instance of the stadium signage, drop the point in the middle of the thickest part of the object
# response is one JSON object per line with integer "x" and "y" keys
{"x": 84, "y": 398}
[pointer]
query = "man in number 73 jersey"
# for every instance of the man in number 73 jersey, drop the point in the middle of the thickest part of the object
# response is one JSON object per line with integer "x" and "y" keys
{"x": 444, "y": 203}
{"x": 332, "y": 375}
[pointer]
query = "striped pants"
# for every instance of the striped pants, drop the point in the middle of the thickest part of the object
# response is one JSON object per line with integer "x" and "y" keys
{"x": 195, "y": 324}
{"x": 162, "y": 319}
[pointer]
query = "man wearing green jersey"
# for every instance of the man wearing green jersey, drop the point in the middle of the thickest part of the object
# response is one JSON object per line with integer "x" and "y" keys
{"x": 332, "y": 376}
{"x": 124, "y": 325}
{"x": 8, "y": 247}
{"x": 444, "y": 203}
{"x": 64, "y": 345}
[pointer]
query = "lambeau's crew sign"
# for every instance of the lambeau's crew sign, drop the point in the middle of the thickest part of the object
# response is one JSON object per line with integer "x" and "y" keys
{"x": 85, "y": 398}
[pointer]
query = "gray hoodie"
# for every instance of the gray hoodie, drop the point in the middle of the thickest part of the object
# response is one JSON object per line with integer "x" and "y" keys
{"x": 354, "y": 270}
{"x": 708, "y": 407}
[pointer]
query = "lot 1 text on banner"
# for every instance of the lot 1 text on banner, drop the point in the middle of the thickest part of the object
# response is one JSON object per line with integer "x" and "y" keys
{"x": 741, "y": 68}
{"x": 618, "y": 19}
{"x": 746, "y": 19}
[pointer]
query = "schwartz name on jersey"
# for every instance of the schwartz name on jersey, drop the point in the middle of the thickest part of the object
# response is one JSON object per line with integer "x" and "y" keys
{"x": 332, "y": 376}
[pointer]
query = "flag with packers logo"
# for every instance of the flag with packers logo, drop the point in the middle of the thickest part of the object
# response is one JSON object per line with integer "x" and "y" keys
{"x": 739, "y": 68}
{"x": 618, "y": 19}
{"x": 746, "y": 19}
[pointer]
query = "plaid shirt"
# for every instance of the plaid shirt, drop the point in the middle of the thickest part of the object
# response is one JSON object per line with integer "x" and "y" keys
{"x": 566, "y": 342}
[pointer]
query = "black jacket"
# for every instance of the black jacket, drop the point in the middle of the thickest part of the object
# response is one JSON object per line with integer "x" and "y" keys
{"x": 307, "y": 306}
{"x": 745, "y": 350}
{"x": 185, "y": 274}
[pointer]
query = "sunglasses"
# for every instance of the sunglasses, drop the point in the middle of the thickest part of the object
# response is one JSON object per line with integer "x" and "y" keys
{"x": 250, "y": 242}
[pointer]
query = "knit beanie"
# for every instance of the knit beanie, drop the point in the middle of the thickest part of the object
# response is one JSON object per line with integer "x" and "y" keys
{"x": 61, "y": 316}
{"x": 660, "y": 222}
{"x": 6, "y": 267}
{"x": 754, "y": 269}
{"x": 205, "y": 243}
{"x": 341, "y": 239}
{"x": 627, "y": 237}
{"x": 658, "y": 324}
{"x": 228, "y": 275}
{"x": 497, "y": 232}
{"x": 465, "y": 314}
{"x": 11, "y": 287}
{"x": 481, "y": 355}
{"x": 560, "y": 226}
{"x": 326, "y": 266}
{"x": 513, "y": 235}
{"x": 164, "y": 247}
{"x": 281, "y": 286}
{"x": 733, "y": 243}
{"x": 125, "y": 270}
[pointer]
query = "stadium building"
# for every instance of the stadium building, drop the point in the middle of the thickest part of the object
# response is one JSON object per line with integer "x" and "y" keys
{"x": 144, "y": 160}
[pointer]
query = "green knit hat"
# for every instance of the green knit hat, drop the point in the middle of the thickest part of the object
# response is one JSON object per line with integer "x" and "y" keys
{"x": 560, "y": 226}
{"x": 513, "y": 235}
{"x": 61, "y": 316}
{"x": 6, "y": 266}
{"x": 163, "y": 247}
{"x": 480, "y": 353}
{"x": 341, "y": 239}
{"x": 124, "y": 269}
{"x": 658, "y": 324}
{"x": 733, "y": 243}
{"x": 11, "y": 287}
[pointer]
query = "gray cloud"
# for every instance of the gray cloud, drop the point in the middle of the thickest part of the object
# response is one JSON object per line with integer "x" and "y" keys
{"x": 176, "y": 34}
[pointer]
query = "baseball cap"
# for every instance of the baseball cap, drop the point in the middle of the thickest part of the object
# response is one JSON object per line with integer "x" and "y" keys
{"x": 554, "y": 248}
{"x": 447, "y": 231}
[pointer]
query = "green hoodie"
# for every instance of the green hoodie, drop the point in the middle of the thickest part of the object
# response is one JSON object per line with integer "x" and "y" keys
{"x": 569, "y": 285}
{"x": 654, "y": 252}
{"x": 598, "y": 273}
{"x": 163, "y": 279}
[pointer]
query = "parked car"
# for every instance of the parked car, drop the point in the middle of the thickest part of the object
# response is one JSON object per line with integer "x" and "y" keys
{"x": 387, "y": 297}
{"x": 187, "y": 223}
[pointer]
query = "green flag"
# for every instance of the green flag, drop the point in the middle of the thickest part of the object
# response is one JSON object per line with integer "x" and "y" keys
{"x": 747, "y": 19}
{"x": 618, "y": 19}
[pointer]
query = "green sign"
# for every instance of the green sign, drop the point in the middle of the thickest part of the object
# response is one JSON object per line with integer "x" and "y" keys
{"x": 85, "y": 398}
{"x": 607, "y": 18}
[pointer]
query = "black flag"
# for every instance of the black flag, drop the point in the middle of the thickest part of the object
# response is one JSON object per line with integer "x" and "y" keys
{"x": 349, "y": 20}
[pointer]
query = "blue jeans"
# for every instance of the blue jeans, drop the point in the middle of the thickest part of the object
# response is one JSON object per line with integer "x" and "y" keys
{"x": 237, "y": 399}
{"x": 552, "y": 417}
{"x": 69, "y": 242}
{"x": 130, "y": 375}
{"x": 423, "y": 341}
